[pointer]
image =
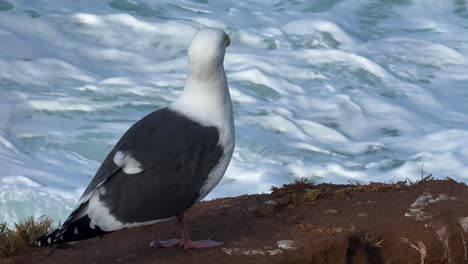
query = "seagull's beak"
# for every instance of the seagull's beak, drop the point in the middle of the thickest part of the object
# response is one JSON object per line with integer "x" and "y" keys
{"x": 227, "y": 40}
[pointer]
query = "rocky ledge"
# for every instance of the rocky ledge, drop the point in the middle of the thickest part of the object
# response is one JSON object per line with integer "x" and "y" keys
{"x": 425, "y": 222}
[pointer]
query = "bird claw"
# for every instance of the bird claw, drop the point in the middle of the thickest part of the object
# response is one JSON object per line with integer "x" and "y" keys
{"x": 165, "y": 243}
{"x": 200, "y": 244}
{"x": 169, "y": 243}
{"x": 154, "y": 244}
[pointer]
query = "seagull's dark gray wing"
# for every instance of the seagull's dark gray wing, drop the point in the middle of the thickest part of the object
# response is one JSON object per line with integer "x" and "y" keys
{"x": 176, "y": 155}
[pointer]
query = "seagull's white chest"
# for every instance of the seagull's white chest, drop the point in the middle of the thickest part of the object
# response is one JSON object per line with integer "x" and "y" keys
{"x": 213, "y": 109}
{"x": 227, "y": 142}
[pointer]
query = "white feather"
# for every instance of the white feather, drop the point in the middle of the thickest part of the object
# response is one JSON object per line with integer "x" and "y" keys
{"x": 129, "y": 164}
{"x": 119, "y": 159}
{"x": 101, "y": 217}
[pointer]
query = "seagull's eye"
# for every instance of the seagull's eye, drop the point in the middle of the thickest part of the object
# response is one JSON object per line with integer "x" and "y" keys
{"x": 227, "y": 40}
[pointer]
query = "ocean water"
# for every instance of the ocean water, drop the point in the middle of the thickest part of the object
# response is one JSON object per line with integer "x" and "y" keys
{"x": 329, "y": 90}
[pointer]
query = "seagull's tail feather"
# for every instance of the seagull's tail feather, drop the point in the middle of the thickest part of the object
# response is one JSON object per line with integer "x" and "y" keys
{"x": 72, "y": 230}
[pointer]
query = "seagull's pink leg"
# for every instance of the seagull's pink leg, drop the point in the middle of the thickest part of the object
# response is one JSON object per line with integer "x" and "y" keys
{"x": 162, "y": 243}
{"x": 186, "y": 243}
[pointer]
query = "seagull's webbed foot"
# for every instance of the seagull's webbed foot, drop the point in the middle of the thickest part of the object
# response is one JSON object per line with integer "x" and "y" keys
{"x": 186, "y": 243}
{"x": 165, "y": 243}
{"x": 200, "y": 244}
{"x": 157, "y": 243}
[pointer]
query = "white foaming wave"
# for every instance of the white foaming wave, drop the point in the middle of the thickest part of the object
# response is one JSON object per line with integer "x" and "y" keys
{"x": 306, "y": 26}
{"x": 41, "y": 71}
{"x": 19, "y": 201}
{"x": 207, "y": 22}
{"x": 71, "y": 104}
{"x": 19, "y": 181}
{"x": 279, "y": 84}
{"x": 61, "y": 105}
{"x": 6, "y": 145}
{"x": 241, "y": 97}
{"x": 135, "y": 36}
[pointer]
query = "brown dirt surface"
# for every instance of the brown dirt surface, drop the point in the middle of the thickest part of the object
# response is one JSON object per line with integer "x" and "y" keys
{"x": 426, "y": 222}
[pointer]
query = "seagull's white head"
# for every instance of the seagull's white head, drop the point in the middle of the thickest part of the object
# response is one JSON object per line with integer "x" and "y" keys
{"x": 206, "y": 52}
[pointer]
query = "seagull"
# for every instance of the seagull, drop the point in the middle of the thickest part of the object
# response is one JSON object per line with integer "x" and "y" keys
{"x": 167, "y": 161}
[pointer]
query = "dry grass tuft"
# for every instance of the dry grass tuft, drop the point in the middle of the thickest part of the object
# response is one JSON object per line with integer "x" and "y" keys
{"x": 304, "y": 192}
{"x": 298, "y": 185}
{"x": 331, "y": 230}
{"x": 372, "y": 240}
{"x": 14, "y": 242}
{"x": 312, "y": 195}
{"x": 6, "y": 260}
